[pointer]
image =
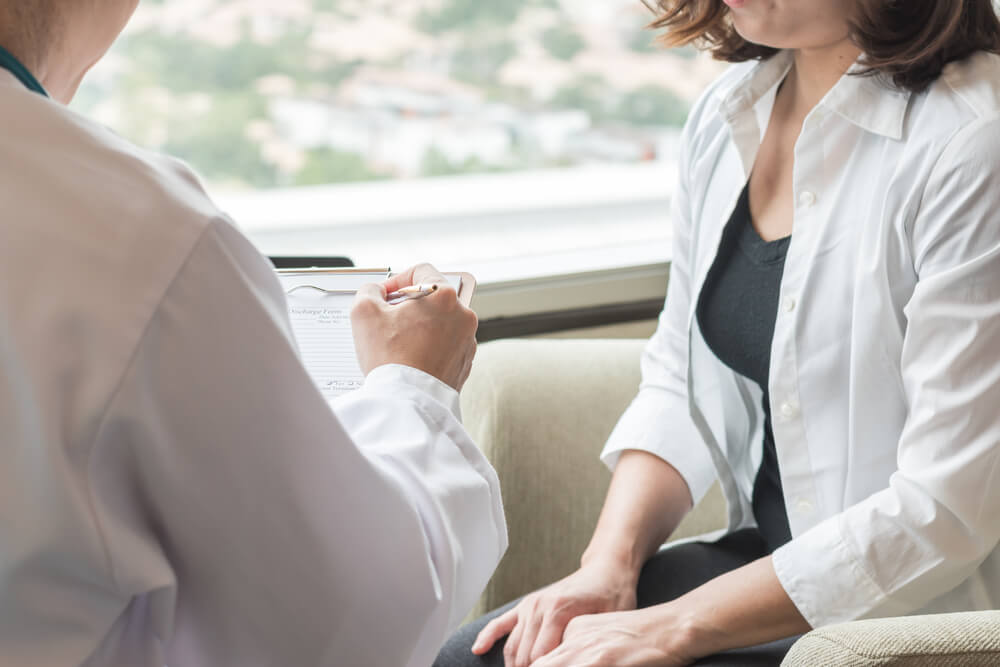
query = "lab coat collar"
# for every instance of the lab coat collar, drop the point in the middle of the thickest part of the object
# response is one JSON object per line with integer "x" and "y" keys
{"x": 10, "y": 63}
{"x": 867, "y": 101}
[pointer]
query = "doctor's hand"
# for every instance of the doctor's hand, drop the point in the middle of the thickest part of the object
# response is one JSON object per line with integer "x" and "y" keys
{"x": 435, "y": 334}
{"x": 537, "y": 624}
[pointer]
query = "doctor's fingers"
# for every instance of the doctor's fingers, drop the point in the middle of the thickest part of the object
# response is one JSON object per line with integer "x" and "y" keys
{"x": 415, "y": 275}
{"x": 369, "y": 300}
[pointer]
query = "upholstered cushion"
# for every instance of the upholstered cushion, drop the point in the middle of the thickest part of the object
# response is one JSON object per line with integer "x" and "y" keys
{"x": 970, "y": 639}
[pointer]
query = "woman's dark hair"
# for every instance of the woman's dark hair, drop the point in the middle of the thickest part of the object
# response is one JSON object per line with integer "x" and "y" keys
{"x": 907, "y": 41}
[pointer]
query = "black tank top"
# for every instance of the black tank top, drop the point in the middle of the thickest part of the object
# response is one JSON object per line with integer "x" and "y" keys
{"x": 736, "y": 313}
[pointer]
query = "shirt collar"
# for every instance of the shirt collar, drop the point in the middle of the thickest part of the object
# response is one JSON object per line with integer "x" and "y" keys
{"x": 10, "y": 63}
{"x": 866, "y": 101}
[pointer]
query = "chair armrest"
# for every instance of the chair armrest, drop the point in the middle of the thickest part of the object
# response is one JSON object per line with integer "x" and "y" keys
{"x": 541, "y": 410}
{"x": 967, "y": 639}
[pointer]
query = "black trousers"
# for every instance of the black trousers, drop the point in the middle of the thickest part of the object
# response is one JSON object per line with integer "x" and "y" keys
{"x": 666, "y": 576}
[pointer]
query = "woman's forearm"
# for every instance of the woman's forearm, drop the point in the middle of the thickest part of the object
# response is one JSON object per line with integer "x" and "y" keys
{"x": 645, "y": 502}
{"x": 744, "y": 607}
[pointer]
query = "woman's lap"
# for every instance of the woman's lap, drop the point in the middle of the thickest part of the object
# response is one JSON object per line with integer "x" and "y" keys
{"x": 666, "y": 576}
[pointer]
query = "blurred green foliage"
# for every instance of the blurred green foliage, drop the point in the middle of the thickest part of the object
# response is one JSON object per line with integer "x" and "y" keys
{"x": 455, "y": 14}
{"x": 183, "y": 64}
{"x": 651, "y": 105}
{"x": 202, "y": 101}
{"x": 328, "y": 165}
{"x": 477, "y": 62}
{"x": 562, "y": 42}
{"x": 215, "y": 141}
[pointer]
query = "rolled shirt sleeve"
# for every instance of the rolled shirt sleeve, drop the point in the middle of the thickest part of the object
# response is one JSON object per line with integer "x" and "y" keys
{"x": 939, "y": 518}
{"x": 274, "y": 529}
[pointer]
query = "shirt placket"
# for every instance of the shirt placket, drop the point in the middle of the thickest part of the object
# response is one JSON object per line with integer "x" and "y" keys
{"x": 788, "y": 424}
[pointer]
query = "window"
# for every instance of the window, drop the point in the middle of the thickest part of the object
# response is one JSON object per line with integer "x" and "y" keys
{"x": 514, "y": 138}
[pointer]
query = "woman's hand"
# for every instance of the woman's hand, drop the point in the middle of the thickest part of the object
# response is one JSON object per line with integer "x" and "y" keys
{"x": 743, "y": 607}
{"x": 536, "y": 625}
{"x": 645, "y": 638}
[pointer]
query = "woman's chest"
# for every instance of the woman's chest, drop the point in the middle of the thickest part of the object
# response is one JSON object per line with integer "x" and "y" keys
{"x": 850, "y": 200}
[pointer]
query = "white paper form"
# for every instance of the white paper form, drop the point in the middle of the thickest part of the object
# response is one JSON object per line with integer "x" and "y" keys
{"x": 321, "y": 322}
{"x": 323, "y": 331}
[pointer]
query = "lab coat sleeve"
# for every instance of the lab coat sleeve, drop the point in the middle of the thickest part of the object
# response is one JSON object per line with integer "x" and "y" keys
{"x": 659, "y": 420}
{"x": 926, "y": 533}
{"x": 296, "y": 534}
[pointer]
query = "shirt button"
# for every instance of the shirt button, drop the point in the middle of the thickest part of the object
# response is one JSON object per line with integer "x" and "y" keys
{"x": 789, "y": 410}
{"x": 803, "y": 506}
{"x": 790, "y": 304}
{"x": 807, "y": 198}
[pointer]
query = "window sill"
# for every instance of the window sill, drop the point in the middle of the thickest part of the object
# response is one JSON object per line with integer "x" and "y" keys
{"x": 538, "y": 242}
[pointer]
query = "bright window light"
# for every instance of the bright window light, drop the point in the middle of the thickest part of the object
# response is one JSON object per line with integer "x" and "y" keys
{"x": 516, "y": 137}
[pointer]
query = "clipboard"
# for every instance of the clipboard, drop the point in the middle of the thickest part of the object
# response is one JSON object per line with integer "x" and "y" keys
{"x": 348, "y": 281}
{"x": 319, "y": 307}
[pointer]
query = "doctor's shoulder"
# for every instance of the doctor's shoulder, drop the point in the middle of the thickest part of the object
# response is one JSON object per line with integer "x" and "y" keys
{"x": 146, "y": 187}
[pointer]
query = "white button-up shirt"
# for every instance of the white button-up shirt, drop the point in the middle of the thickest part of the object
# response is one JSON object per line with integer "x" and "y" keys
{"x": 173, "y": 487}
{"x": 885, "y": 363}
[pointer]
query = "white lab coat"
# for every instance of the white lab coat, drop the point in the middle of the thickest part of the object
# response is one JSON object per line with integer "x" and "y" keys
{"x": 885, "y": 363}
{"x": 174, "y": 489}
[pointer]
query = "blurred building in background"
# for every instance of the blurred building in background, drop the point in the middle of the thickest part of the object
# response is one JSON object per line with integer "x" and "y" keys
{"x": 258, "y": 94}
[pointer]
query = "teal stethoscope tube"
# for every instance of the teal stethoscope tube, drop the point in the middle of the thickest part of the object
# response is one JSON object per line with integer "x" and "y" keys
{"x": 14, "y": 66}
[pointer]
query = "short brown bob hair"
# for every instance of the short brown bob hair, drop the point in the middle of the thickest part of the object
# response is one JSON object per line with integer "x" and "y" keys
{"x": 906, "y": 41}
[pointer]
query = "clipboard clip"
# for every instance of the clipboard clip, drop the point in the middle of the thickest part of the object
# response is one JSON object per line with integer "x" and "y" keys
{"x": 321, "y": 289}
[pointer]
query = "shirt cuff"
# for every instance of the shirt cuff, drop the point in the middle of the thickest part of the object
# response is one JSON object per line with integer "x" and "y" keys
{"x": 653, "y": 423}
{"x": 804, "y": 568}
{"x": 392, "y": 376}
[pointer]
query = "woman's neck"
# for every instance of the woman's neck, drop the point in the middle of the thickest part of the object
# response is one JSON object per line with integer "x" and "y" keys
{"x": 817, "y": 70}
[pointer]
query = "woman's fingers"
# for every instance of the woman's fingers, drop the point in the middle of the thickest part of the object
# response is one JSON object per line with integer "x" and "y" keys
{"x": 496, "y": 629}
{"x": 526, "y": 642}
{"x": 514, "y": 638}
{"x": 550, "y": 635}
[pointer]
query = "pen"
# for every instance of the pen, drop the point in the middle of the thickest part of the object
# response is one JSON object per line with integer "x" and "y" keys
{"x": 410, "y": 292}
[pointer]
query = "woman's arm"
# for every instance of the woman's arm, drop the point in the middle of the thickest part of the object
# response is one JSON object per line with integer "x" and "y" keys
{"x": 938, "y": 519}
{"x": 756, "y": 610}
{"x": 645, "y": 502}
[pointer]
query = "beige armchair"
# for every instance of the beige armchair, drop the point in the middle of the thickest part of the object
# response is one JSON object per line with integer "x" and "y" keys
{"x": 542, "y": 409}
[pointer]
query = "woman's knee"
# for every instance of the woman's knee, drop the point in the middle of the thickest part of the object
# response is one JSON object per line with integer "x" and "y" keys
{"x": 457, "y": 651}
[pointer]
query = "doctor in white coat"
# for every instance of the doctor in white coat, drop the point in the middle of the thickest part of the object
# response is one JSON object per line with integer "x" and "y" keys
{"x": 173, "y": 488}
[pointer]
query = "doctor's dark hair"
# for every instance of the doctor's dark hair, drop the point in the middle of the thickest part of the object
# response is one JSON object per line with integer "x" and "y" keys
{"x": 906, "y": 41}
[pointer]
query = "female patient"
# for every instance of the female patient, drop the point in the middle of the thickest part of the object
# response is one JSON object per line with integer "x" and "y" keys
{"x": 828, "y": 349}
